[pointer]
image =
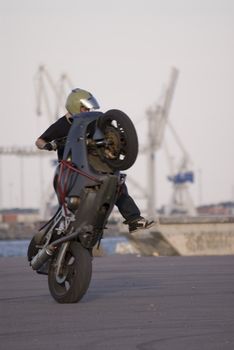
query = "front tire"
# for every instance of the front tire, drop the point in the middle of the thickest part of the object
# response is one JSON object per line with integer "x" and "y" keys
{"x": 77, "y": 272}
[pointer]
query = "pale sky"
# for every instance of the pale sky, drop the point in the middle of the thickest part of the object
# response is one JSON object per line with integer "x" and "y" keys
{"x": 123, "y": 51}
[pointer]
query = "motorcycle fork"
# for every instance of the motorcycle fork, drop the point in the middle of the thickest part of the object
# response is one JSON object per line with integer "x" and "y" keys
{"x": 60, "y": 273}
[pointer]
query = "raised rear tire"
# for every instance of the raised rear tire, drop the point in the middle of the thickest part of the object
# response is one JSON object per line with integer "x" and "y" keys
{"x": 122, "y": 142}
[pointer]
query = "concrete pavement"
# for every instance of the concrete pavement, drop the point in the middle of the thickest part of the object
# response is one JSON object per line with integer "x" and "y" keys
{"x": 132, "y": 303}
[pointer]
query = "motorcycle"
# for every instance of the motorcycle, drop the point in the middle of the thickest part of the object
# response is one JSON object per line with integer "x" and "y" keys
{"x": 87, "y": 182}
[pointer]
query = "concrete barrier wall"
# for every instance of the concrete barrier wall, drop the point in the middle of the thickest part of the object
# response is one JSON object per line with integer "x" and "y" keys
{"x": 188, "y": 236}
{"x": 174, "y": 236}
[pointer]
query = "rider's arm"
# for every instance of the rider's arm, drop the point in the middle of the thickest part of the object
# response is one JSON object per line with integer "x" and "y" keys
{"x": 57, "y": 130}
{"x": 52, "y": 133}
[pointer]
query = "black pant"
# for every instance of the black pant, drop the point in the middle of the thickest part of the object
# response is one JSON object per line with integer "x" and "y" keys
{"x": 126, "y": 205}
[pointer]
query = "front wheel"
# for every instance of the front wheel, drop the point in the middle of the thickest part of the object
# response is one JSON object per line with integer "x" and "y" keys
{"x": 71, "y": 286}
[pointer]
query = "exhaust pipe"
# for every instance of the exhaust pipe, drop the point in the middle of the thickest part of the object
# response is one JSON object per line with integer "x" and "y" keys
{"x": 41, "y": 257}
{"x": 47, "y": 252}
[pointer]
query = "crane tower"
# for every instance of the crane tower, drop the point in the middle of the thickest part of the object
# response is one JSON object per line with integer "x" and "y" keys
{"x": 157, "y": 120}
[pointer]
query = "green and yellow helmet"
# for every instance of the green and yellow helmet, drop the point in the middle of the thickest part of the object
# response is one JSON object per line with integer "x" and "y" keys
{"x": 78, "y": 98}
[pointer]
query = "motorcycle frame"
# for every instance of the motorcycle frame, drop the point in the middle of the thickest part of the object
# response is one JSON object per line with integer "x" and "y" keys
{"x": 96, "y": 188}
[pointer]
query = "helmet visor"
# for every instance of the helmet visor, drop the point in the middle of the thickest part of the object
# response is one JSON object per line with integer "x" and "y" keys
{"x": 90, "y": 103}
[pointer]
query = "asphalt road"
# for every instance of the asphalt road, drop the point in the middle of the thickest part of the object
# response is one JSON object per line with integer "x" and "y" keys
{"x": 132, "y": 303}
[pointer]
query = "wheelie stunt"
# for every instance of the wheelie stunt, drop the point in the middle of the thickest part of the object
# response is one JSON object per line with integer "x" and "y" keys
{"x": 93, "y": 147}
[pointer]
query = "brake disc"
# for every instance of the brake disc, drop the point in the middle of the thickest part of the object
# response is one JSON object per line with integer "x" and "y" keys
{"x": 114, "y": 142}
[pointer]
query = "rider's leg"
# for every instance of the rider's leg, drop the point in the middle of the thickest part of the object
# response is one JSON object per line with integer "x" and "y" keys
{"x": 126, "y": 205}
{"x": 130, "y": 211}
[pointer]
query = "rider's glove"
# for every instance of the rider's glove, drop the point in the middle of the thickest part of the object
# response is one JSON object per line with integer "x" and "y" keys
{"x": 50, "y": 146}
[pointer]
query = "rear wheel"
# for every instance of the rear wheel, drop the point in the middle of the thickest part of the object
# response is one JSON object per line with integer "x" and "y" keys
{"x": 72, "y": 284}
{"x": 121, "y": 139}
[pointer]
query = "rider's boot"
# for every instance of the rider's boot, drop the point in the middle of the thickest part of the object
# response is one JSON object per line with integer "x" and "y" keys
{"x": 139, "y": 223}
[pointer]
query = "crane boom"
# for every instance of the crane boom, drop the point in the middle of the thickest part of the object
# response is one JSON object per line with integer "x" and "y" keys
{"x": 48, "y": 91}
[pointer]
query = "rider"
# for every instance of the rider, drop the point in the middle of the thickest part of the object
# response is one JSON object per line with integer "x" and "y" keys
{"x": 79, "y": 101}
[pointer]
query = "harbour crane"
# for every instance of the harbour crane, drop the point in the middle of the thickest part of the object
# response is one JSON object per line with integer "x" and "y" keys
{"x": 157, "y": 120}
{"x": 181, "y": 176}
{"x": 50, "y": 97}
